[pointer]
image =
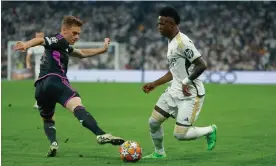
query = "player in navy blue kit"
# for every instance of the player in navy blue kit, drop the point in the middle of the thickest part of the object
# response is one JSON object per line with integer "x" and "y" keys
{"x": 53, "y": 87}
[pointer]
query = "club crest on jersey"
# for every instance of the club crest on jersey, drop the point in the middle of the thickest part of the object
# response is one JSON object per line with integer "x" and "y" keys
{"x": 54, "y": 39}
{"x": 189, "y": 53}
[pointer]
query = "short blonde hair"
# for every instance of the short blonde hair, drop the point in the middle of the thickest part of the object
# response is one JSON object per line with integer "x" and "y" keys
{"x": 71, "y": 20}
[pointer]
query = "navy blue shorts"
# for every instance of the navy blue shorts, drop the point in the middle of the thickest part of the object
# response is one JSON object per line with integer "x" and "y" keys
{"x": 51, "y": 90}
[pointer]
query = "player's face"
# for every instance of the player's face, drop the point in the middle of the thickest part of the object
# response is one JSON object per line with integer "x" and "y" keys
{"x": 164, "y": 26}
{"x": 72, "y": 34}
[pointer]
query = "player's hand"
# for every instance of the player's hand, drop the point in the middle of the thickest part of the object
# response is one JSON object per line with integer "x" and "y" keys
{"x": 149, "y": 87}
{"x": 185, "y": 86}
{"x": 106, "y": 43}
{"x": 20, "y": 46}
{"x": 185, "y": 90}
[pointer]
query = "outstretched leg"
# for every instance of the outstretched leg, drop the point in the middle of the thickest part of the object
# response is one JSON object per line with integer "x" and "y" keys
{"x": 88, "y": 121}
{"x": 187, "y": 114}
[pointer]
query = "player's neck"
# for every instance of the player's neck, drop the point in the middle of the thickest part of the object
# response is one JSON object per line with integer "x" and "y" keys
{"x": 174, "y": 33}
{"x": 62, "y": 34}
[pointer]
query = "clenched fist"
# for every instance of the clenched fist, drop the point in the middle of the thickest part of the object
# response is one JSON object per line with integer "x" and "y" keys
{"x": 149, "y": 87}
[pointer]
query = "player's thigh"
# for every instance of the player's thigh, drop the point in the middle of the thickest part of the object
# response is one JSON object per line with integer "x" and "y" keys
{"x": 164, "y": 108}
{"x": 68, "y": 97}
{"x": 46, "y": 103}
{"x": 189, "y": 110}
{"x": 46, "y": 109}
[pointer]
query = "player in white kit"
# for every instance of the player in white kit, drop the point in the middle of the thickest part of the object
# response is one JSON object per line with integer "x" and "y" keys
{"x": 37, "y": 52}
{"x": 183, "y": 100}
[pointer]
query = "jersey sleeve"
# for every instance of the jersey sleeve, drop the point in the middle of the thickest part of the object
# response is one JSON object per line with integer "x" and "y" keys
{"x": 55, "y": 42}
{"x": 190, "y": 52}
{"x": 30, "y": 50}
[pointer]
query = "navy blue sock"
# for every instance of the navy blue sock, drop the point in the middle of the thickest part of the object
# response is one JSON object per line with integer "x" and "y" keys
{"x": 50, "y": 130}
{"x": 87, "y": 120}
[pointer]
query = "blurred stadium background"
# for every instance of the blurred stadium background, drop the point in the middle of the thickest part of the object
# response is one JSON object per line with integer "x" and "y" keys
{"x": 237, "y": 39}
{"x": 232, "y": 36}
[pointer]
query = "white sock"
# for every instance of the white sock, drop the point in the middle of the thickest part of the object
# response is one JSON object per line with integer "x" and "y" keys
{"x": 157, "y": 139}
{"x": 194, "y": 133}
{"x": 157, "y": 134}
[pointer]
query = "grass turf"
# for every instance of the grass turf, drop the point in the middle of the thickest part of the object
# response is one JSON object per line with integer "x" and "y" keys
{"x": 244, "y": 114}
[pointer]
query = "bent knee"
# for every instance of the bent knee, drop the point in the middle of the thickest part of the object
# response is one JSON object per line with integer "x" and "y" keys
{"x": 154, "y": 122}
{"x": 47, "y": 116}
{"x": 73, "y": 103}
{"x": 180, "y": 132}
{"x": 48, "y": 119}
{"x": 156, "y": 119}
{"x": 159, "y": 115}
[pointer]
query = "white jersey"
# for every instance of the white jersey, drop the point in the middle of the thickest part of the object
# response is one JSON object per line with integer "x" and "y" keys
{"x": 181, "y": 53}
{"x": 37, "y": 52}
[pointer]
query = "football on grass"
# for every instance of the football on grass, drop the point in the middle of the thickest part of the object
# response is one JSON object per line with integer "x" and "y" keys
{"x": 130, "y": 151}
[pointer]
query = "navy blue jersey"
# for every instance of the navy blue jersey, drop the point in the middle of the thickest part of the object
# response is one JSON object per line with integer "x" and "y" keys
{"x": 56, "y": 57}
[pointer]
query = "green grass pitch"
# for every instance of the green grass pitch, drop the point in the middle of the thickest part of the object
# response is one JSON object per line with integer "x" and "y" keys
{"x": 245, "y": 116}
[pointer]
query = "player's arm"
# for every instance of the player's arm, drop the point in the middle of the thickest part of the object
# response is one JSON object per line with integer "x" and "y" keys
{"x": 52, "y": 42}
{"x": 23, "y": 46}
{"x": 164, "y": 79}
{"x": 84, "y": 53}
{"x": 152, "y": 85}
{"x": 200, "y": 66}
{"x": 28, "y": 59}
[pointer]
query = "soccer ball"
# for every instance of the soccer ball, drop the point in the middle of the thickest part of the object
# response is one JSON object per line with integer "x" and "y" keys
{"x": 130, "y": 151}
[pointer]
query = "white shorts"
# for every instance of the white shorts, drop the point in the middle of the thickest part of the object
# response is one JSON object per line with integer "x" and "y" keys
{"x": 185, "y": 111}
{"x": 37, "y": 70}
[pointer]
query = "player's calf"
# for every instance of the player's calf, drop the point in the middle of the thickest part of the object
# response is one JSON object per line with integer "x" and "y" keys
{"x": 50, "y": 129}
{"x": 48, "y": 119}
{"x": 155, "y": 125}
{"x": 89, "y": 122}
{"x": 156, "y": 130}
{"x": 186, "y": 133}
{"x": 85, "y": 118}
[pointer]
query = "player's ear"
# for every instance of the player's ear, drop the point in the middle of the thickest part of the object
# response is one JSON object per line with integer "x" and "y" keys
{"x": 64, "y": 28}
